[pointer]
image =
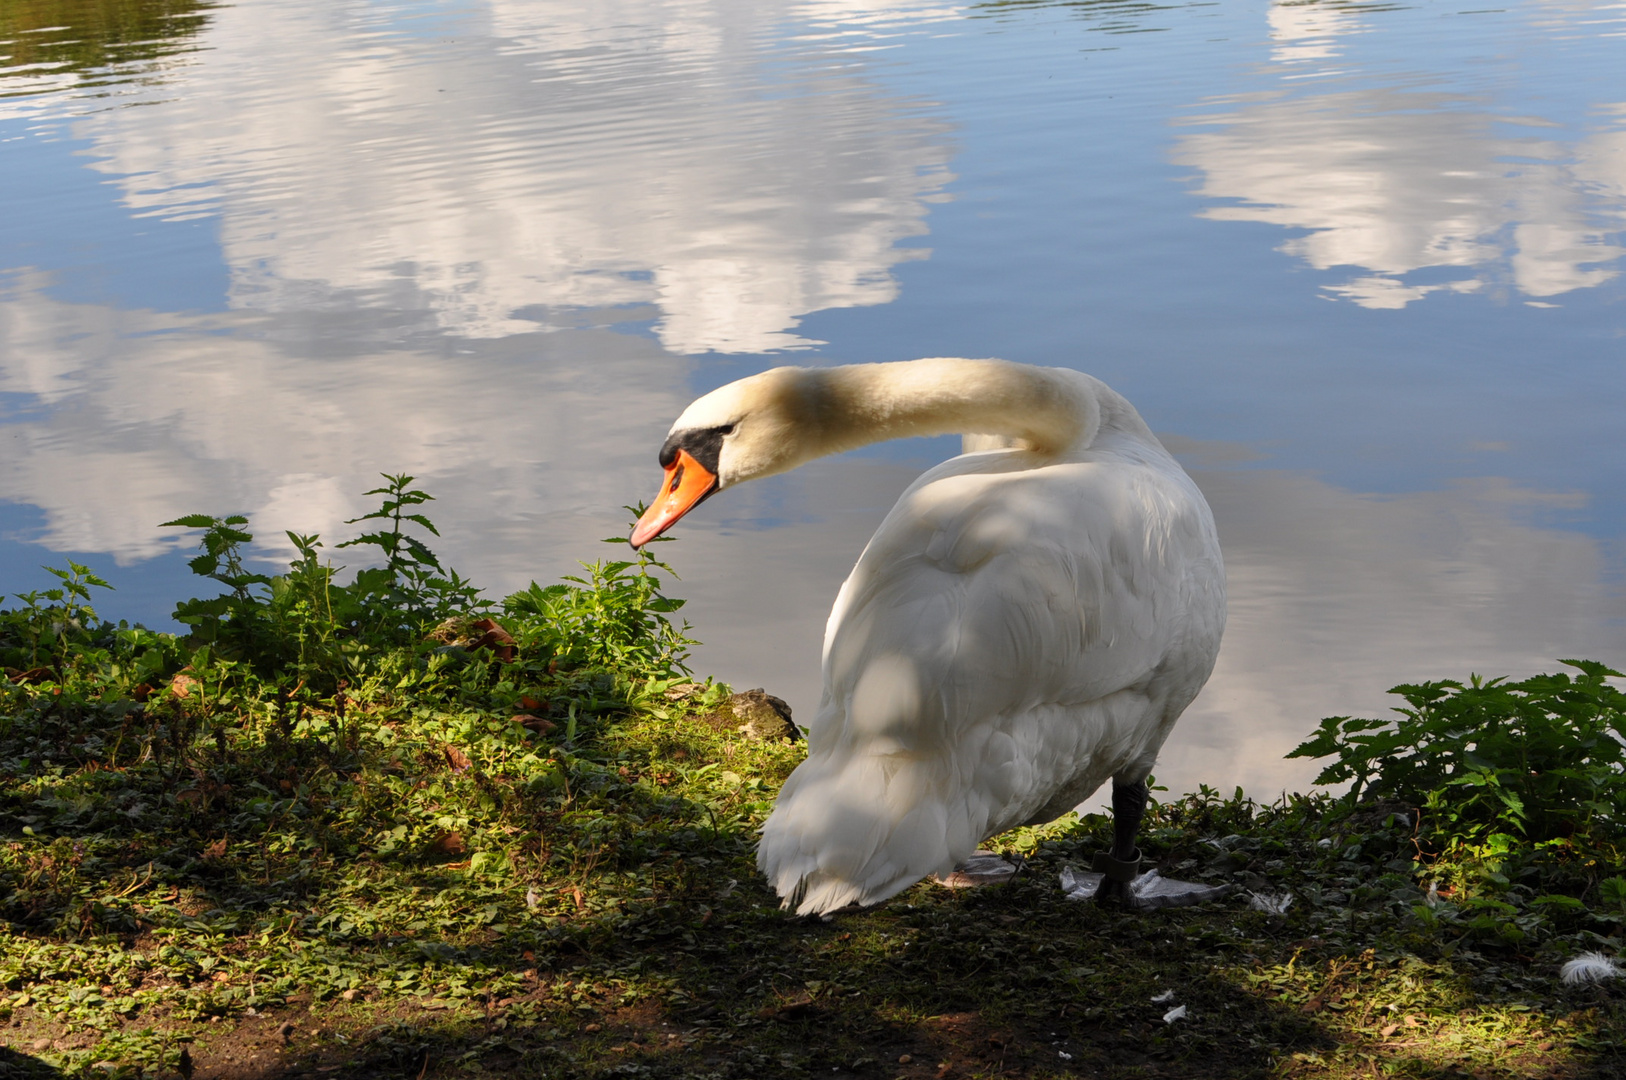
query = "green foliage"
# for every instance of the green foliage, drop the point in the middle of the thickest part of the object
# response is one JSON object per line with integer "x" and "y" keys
{"x": 1515, "y": 791}
{"x": 412, "y": 585}
{"x": 53, "y": 624}
{"x": 1534, "y": 761}
{"x": 304, "y": 623}
{"x": 285, "y": 647}
{"x": 613, "y": 619}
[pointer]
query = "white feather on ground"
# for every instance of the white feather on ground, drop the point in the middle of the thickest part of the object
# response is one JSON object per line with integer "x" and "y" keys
{"x": 1590, "y": 967}
{"x": 1271, "y": 905}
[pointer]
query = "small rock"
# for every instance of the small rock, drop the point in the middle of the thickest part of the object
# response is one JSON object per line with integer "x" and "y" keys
{"x": 351, "y": 994}
{"x": 904, "y": 1059}
{"x": 762, "y": 716}
{"x": 41, "y": 1045}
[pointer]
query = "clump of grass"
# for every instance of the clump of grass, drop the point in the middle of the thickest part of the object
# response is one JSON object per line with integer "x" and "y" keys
{"x": 377, "y": 821}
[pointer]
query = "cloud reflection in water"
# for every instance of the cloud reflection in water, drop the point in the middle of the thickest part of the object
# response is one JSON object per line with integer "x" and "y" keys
{"x": 1393, "y": 180}
{"x": 528, "y": 161}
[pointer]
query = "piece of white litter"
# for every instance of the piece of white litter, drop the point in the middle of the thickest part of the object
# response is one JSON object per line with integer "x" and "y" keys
{"x": 1149, "y": 890}
{"x": 1064, "y": 1055}
{"x": 1080, "y": 884}
{"x": 1176, "y": 1013}
{"x": 531, "y": 899}
{"x": 1589, "y": 967}
{"x": 1167, "y": 995}
{"x": 1324, "y": 842}
{"x": 1153, "y": 890}
{"x": 1270, "y": 905}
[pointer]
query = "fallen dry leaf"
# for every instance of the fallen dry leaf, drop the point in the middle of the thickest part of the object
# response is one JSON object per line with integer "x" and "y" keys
{"x": 787, "y": 1010}
{"x": 181, "y": 685}
{"x": 215, "y": 850}
{"x": 457, "y": 759}
{"x": 538, "y": 724}
{"x": 448, "y": 844}
{"x": 494, "y": 637}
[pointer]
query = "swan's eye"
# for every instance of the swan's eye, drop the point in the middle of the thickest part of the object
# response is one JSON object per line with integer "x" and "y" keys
{"x": 726, "y": 429}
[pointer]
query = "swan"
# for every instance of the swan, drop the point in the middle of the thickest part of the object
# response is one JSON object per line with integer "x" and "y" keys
{"x": 1029, "y": 620}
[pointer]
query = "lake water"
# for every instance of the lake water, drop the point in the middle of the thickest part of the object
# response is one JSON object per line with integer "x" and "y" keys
{"x": 1359, "y": 264}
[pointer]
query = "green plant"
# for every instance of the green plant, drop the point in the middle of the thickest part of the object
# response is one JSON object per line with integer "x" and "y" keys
{"x": 1538, "y": 760}
{"x": 411, "y": 582}
{"x": 233, "y": 620}
{"x": 303, "y": 626}
{"x": 615, "y": 618}
{"x": 53, "y": 621}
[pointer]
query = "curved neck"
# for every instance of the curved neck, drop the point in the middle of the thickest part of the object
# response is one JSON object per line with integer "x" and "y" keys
{"x": 1046, "y": 410}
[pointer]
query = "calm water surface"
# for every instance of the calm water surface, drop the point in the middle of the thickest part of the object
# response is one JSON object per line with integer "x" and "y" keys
{"x": 1360, "y": 264}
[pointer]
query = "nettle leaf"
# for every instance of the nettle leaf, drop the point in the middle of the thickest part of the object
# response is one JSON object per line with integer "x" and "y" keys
{"x": 190, "y": 521}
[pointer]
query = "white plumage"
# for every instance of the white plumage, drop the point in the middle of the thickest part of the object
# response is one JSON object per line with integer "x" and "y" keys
{"x": 1589, "y": 967}
{"x": 1028, "y": 621}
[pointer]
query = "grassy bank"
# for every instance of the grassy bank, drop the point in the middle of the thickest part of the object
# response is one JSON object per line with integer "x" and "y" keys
{"x": 376, "y": 827}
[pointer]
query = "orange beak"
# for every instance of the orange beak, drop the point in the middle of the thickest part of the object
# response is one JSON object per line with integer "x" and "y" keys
{"x": 687, "y": 482}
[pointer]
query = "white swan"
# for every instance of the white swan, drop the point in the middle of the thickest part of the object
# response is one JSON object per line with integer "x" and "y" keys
{"x": 1030, "y": 619}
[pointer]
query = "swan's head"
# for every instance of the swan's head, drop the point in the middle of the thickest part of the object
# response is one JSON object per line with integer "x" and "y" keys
{"x": 758, "y": 426}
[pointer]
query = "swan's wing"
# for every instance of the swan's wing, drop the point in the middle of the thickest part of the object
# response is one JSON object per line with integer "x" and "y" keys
{"x": 1007, "y": 640}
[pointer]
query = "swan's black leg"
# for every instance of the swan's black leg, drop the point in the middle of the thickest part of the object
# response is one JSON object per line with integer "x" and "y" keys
{"x": 1128, "y": 807}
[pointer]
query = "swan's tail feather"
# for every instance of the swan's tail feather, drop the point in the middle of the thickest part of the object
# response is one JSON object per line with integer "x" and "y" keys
{"x": 858, "y": 829}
